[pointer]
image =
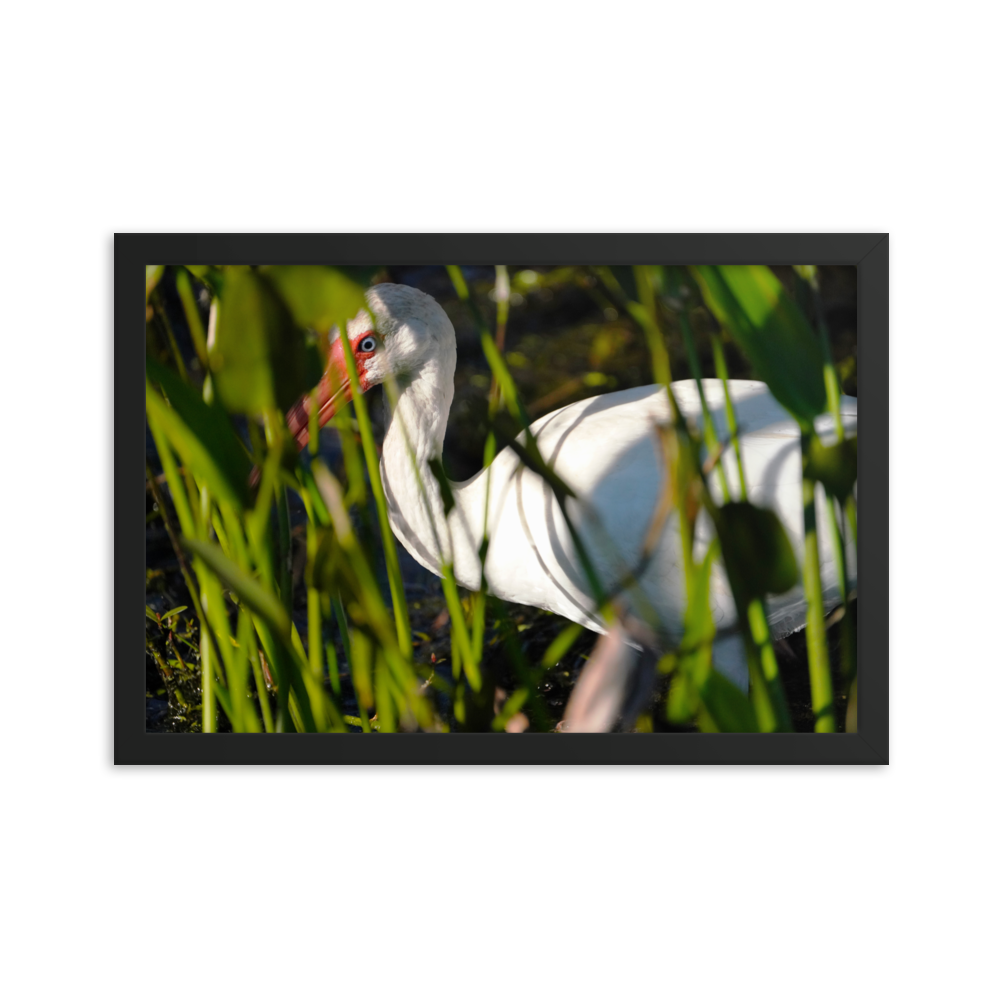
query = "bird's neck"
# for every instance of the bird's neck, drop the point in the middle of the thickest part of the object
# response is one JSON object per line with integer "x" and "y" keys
{"x": 414, "y": 438}
{"x": 418, "y": 419}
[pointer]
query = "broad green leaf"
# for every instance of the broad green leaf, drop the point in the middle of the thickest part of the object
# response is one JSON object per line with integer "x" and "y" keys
{"x": 749, "y": 301}
{"x": 319, "y": 297}
{"x": 729, "y": 707}
{"x": 758, "y": 556}
{"x": 836, "y": 466}
{"x": 200, "y": 433}
{"x": 259, "y": 356}
{"x": 256, "y": 597}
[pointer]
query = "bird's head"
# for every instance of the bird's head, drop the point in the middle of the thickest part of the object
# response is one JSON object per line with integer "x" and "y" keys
{"x": 401, "y": 332}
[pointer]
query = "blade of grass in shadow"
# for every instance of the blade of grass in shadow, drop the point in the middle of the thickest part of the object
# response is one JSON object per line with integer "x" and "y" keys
{"x": 330, "y": 648}
{"x": 820, "y": 679}
{"x": 722, "y": 372}
{"x": 200, "y": 433}
{"x": 275, "y": 435}
{"x": 681, "y": 451}
{"x": 208, "y": 693}
{"x": 167, "y": 332}
{"x": 711, "y": 438}
{"x": 766, "y": 690}
{"x": 195, "y": 326}
{"x": 191, "y": 523}
{"x": 268, "y": 608}
{"x": 772, "y": 712}
{"x": 244, "y": 718}
{"x": 760, "y": 631}
{"x": 848, "y": 656}
{"x": 751, "y": 303}
{"x": 263, "y": 698}
{"x": 345, "y": 569}
{"x": 472, "y": 651}
{"x": 286, "y": 719}
{"x": 361, "y": 675}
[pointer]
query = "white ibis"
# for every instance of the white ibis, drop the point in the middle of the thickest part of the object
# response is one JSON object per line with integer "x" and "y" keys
{"x": 606, "y": 450}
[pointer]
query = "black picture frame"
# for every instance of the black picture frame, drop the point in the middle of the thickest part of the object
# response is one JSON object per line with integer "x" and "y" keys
{"x": 869, "y": 252}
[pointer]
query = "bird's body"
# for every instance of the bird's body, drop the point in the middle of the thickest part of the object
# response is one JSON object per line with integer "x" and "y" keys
{"x": 607, "y": 450}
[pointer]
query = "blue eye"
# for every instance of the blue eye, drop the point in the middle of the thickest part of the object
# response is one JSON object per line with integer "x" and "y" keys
{"x": 367, "y": 345}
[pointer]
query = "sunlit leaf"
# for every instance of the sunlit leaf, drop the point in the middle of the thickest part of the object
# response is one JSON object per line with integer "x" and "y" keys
{"x": 751, "y": 303}
{"x": 318, "y": 296}
{"x": 729, "y": 707}
{"x": 259, "y": 356}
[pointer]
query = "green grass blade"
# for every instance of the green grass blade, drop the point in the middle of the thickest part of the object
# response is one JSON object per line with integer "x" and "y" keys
{"x": 399, "y": 606}
{"x": 722, "y": 372}
{"x": 256, "y": 597}
{"x": 193, "y": 317}
{"x": 820, "y": 678}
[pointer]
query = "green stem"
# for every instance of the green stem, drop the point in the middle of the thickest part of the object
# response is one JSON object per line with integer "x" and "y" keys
{"x": 258, "y": 675}
{"x": 711, "y": 438}
{"x": 764, "y": 650}
{"x": 207, "y": 683}
{"x": 848, "y": 659}
{"x": 161, "y": 315}
{"x": 851, "y": 510}
{"x": 819, "y": 656}
{"x": 830, "y": 380}
{"x": 722, "y": 372}
{"x": 193, "y": 317}
{"x": 399, "y": 607}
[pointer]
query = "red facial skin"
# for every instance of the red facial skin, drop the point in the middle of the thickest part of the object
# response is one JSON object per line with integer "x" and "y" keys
{"x": 333, "y": 391}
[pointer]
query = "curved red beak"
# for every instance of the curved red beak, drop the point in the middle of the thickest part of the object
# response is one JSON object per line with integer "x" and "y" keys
{"x": 332, "y": 392}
